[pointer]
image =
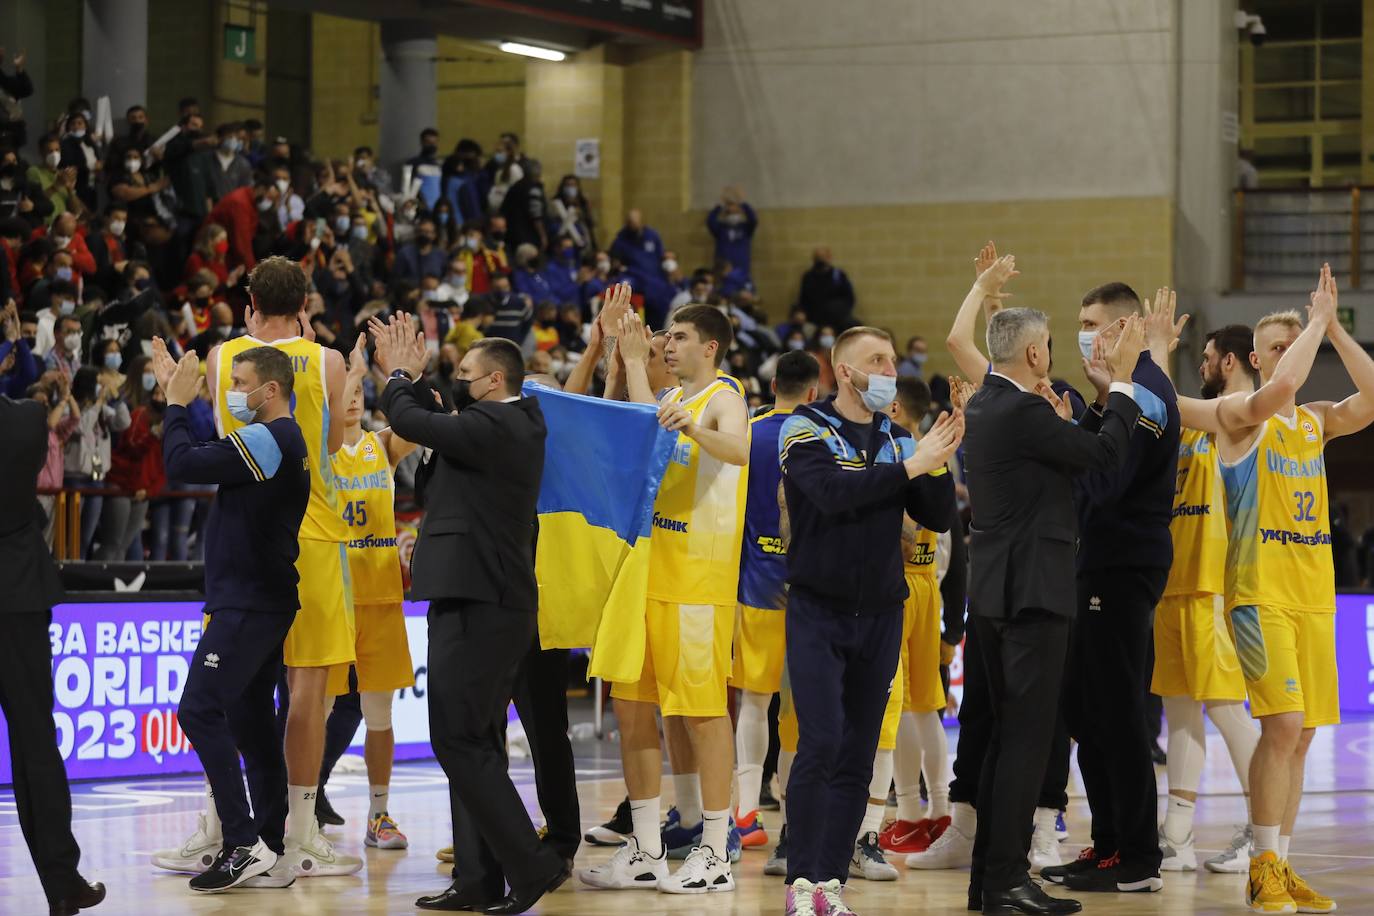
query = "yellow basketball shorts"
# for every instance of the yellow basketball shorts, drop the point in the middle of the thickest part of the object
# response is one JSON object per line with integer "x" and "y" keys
{"x": 323, "y": 633}
{"x": 686, "y": 659}
{"x": 892, "y": 713}
{"x": 1194, "y": 654}
{"x": 760, "y": 649}
{"x": 383, "y": 650}
{"x": 1288, "y": 659}
{"x": 923, "y": 690}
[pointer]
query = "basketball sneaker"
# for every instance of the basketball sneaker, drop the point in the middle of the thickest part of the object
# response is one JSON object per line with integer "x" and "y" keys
{"x": 382, "y": 833}
{"x": 751, "y": 832}
{"x": 777, "y": 860}
{"x": 801, "y": 899}
{"x": 1061, "y": 828}
{"x": 1044, "y": 851}
{"x": 278, "y": 876}
{"x": 614, "y": 831}
{"x": 1086, "y": 861}
{"x": 1111, "y": 876}
{"x": 952, "y": 849}
{"x": 193, "y": 856}
{"x": 907, "y": 837}
{"x": 1266, "y": 891}
{"x": 445, "y": 854}
{"x": 1177, "y": 856}
{"x": 830, "y": 892}
{"x": 325, "y": 813}
{"x": 868, "y": 862}
{"x": 704, "y": 872}
{"x": 234, "y": 866}
{"x": 1235, "y": 858}
{"x": 629, "y": 868}
{"x": 317, "y": 858}
{"x": 1307, "y": 900}
{"x": 767, "y": 801}
{"x": 679, "y": 841}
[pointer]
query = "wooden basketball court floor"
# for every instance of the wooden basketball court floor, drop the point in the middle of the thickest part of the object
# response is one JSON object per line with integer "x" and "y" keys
{"x": 119, "y": 824}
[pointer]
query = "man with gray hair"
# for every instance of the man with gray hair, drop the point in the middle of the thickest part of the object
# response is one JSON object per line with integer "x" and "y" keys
{"x": 1021, "y": 455}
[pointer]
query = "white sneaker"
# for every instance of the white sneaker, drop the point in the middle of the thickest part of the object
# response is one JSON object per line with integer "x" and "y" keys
{"x": 193, "y": 856}
{"x": 1044, "y": 851}
{"x": 834, "y": 903}
{"x": 950, "y": 850}
{"x": 868, "y": 862}
{"x": 317, "y": 858}
{"x": 630, "y": 867}
{"x": 1234, "y": 859}
{"x": 1177, "y": 856}
{"x": 703, "y": 873}
{"x": 277, "y": 876}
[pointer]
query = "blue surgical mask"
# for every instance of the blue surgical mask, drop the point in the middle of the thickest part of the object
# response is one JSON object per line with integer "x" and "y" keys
{"x": 113, "y": 361}
{"x": 881, "y": 391}
{"x": 66, "y": 307}
{"x": 918, "y": 360}
{"x": 149, "y": 380}
{"x": 795, "y": 344}
{"x": 499, "y": 158}
{"x": 341, "y": 224}
{"x": 64, "y": 273}
{"x": 1085, "y": 343}
{"x": 360, "y": 231}
{"x": 237, "y": 402}
{"x": 827, "y": 340}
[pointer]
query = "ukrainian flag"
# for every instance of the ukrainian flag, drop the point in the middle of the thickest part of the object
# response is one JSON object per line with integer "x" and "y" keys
{"x": 603, "y": 462}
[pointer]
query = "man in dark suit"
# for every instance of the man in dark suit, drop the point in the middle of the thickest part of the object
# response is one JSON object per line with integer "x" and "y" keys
{"x": 475, "y": 563}
{"x": 1021, "y": 454}
{"x": 32, "y": 588}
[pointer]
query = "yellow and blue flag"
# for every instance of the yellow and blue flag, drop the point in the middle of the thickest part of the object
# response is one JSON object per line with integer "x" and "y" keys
{"x": 603, "y": 462}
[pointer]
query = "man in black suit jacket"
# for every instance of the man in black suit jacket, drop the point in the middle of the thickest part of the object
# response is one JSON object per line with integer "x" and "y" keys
{"x": 1021, "y": 454}
{"x": 31, "y": 588}
{"x": 474, "y": 561}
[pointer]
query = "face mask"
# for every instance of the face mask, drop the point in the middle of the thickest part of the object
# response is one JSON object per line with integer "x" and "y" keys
{"x": 430, "y": 295}
{"x": 143, "y": 283}
{"x": 918, "y": 359}
{"x": 457, "y": 278}
{"x": 237, "y": 402}
{"x": 117, "y": 227}
{"x": 570, "y": 193}
{"x": 223, "y": 330}
{"x": 360, "y": 164}
{"x": 499, "y": 158}
{"x": 603, "y": 266}
{"x": 66, "y": 307}
{"x": 881, "y": 391}
{"x": 265, "y": 204}
{"x": 7, "y": 184}
{"x": 64, "y": 273}
{"x": 474, "y": 244}
{"x": 669, "y": 265}
{"x": 133, "y": 165}
{"x": 78, "y": 134}
{"x": 72, "y": 342}
{"x": 462, "y": 392}
{"x": 61, "y": 241}
{"x": 360, "y": 231}
{"x": 796, "y": 344}
{"x": 827, "y": 340}
{"x": 341, "y": 224}
{"x": 29, "y": 341}
{"x": 52, "y": 159}
{"x": 283, "y": 185}
{"x": 149, "y": 381}
{"x": 113, "y": 361}
{"x": 1085, "y": 343}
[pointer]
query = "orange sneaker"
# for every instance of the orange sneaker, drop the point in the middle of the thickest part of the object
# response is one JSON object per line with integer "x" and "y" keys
{"x": 751, "y": 832}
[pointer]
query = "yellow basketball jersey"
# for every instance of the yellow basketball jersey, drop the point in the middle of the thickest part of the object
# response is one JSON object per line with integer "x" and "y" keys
{"x": 310, "y": 407}
{"x": 1199, "y": 524}
{"x": 698, "y": 517}
{"x": 367, "y": 495}
{"x": 1280, "y": 548}
{"x": 923, "y": 555}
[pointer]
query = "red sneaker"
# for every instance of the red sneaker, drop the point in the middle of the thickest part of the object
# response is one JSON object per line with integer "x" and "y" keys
{"x": 751, "y": 832}
{"x": 898, "y": 828}
{"x": 918, "y": 836}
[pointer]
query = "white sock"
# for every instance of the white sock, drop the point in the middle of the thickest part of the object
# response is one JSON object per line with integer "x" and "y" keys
{"x": 785, "y": 759}
{"x": 1178, "y": 819}
{"x": 906, "y": 769}
{"x": 644, "y": 815}
{"x": 687, "y": 798}
{"x": 1283, "y": 846}
{"x": 873, "y": 819}
{"x": 300, "y": 813}
{"x": 963, "y": 818}
{"x": 881, "y": 780}
{"x": 751, "y": 746}
{"x": 1266, "y": 839}
{"x": 1240, "y": 734}
{"x": 1044, "y": 820}
{"x": 715, "y": 827}
{"x": 213, "y": 828}
{"x": 377, "y": 800}
{"x": 930, "y": 730}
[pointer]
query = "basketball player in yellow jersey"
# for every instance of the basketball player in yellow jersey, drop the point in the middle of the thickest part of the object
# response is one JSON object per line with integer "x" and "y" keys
{"x": 1280, "y": 584}
{"x": 1195, "y": 658}
{"x": 322, "y": 636}
{"x": 693, "y": 577}
{"x": 364, "y": 478}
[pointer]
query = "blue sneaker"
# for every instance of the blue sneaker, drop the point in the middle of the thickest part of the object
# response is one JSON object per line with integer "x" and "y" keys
{"x": 1061, "y": 829}
{"x": 734, "y": 844}
{"x": 679, "y": 840}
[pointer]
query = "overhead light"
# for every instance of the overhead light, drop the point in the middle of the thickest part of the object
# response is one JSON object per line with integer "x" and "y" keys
{"x": 515, "y": 47}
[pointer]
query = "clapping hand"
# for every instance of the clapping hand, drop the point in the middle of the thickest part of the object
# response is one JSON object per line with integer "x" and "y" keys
{"x": 399, "y": 346}
{"x": 184, "y": 384}
{"x": 357, "y": 362}
{"x": 1125, "y": 354}
{"x": 1061, "y": 405}
{"x": 633, "y": 339}
{"x": 960, "y": 390}
{"x": 991, "y": 280}
{"x": 1098, "y": 373}
{"x": 162, "y": 363}
{"x": 938, "y": 445}
{"x": 1323, "y": 307}
{"x": 1162, "y": 332}
{"x": 987, "y": 256}
{"x": 615, "y": 305}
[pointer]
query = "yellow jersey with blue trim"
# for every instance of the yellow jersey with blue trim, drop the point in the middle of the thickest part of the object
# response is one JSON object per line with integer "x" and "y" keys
{"x": 367, "y": 494}
{"x": 1198, "y": 528}
{"x": 310, "y": 408}
{"x": 698, "y": 520}
{"x": 921, "y": 561}
{"x": 1276, "y": 501}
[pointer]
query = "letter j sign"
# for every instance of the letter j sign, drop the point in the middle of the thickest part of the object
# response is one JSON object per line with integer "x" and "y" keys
{"x": 238, "y": 44}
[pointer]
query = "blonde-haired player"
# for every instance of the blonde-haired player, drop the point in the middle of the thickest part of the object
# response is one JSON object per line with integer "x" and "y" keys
{"x": 1280, "y": 583}
{"x": 364, "y": 476}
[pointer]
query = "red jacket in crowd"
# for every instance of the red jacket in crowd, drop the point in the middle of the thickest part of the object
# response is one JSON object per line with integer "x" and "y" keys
{"x": 82, "y": 259}
{"x": 136, "y": 459}
{"x": 238, "y": 214}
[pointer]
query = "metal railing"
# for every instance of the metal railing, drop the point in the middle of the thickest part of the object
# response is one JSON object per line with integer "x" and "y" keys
{"x": 1277, "y": 235}
{"x": 66, "y": 533}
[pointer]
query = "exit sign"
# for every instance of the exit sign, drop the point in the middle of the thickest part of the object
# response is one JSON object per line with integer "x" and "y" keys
{"x": 239, "y": 44}
{"x": 1346, "y": 316}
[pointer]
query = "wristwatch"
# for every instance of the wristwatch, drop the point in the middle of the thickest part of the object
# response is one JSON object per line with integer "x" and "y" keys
{"x": 401, "y": 374}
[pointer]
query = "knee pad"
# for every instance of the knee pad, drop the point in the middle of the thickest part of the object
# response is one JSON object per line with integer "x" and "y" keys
{"x": 376, "y": 709}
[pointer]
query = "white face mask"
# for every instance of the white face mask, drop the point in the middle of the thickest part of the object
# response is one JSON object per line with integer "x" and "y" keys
{"x": 53, "y": 158}
{"x": 133, "y": 165}
{"x": 61, "y": 241}
{"x": 265, "y": 204}
{"x": 117, "y": 227}
{"x": 78, "y": 134}
{"x": 283, "y": 185}
{"x": 360, "y": 165}
{"x": 669, "y": 265}
{"x": 72, "y": 342}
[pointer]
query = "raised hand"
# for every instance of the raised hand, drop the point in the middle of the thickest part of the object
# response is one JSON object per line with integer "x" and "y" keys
{"x": 1125, "y": 354}
{"x": 389, "y": 346}
{"x": 184, "y": 384}
{"x": 960, "y": 390}
{"x": 1323, "y": 307}
{"x": 938, "y": 445}
{"x": 1061, "y": 405}
{"x": 1162, "y": 332}
{"x": 615, "y": 305}
{"x": 357, "y": 362}
{"x": 991, "y": 281}
{"x": 633, "y": 340}
{"x": 986, "y": 256}
{"x": 414, "y": 351}
{"x": 1096, "y": 369}
{"x": 163, "y": 364}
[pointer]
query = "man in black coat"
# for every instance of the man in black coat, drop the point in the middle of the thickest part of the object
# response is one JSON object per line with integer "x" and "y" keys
{"x": 41, "y": 794}
{"x": 1021, "y": 454}
{"x": 474, "y": 561}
